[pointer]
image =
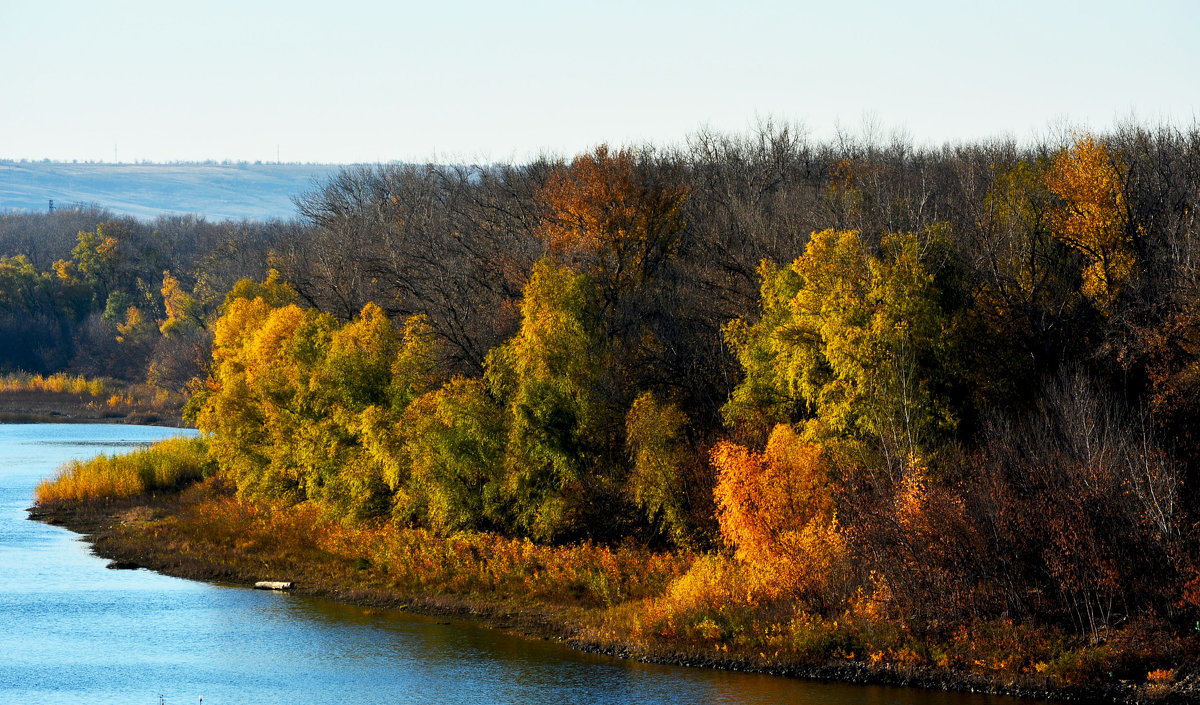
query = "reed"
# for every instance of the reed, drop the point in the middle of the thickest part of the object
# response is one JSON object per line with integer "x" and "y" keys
{"x": 59, "y": 382}
{"x": 144, "y": 397}
{"x": 169, "y": 464}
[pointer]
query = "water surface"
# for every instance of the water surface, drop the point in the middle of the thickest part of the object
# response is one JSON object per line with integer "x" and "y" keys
{"x": 72, "y": 631}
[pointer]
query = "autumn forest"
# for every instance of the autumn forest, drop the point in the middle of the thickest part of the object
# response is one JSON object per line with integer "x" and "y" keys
{"x": 854, "y": 399}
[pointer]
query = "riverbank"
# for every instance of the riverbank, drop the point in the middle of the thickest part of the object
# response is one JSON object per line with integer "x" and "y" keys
{"x": 43, "y": 406}
{"x": 203, "y": 533}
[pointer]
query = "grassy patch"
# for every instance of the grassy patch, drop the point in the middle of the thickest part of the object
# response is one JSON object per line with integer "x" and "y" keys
{"x": 59, "y": 382}
{"x": 169, "y": 464}
{"x": 300, "y": 540}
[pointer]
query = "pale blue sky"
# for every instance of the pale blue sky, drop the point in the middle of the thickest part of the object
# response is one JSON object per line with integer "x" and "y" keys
{"x": 356, "y": 80}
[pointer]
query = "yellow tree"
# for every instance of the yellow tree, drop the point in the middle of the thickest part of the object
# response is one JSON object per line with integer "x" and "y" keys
{"x": 184, "y": 311}
{"x": 864, "y": 340}
{"x": 1093, "y": 217}
{"x": 274, "y": 291}
{"x": 372, "y": 374}
{"x": 232, "y": 408}
{"x": 1027, "y": 289}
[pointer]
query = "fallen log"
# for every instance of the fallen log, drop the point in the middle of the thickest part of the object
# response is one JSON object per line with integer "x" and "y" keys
{"x": 273, "y": 585}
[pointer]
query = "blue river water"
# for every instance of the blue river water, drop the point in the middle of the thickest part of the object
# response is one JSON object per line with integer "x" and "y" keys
{"x": 72, "y": 631}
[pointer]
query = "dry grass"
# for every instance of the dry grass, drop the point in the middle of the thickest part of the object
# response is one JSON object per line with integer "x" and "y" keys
{"x": 169, "y": 464}
{"x": 144, "y": 397}
{"x": 301, "y": 540}
{"x": 716, "y": 611}
{"x": 59, "y": 382}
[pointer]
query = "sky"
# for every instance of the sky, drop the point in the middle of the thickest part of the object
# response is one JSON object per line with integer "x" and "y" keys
{"x": 363, "y": 81}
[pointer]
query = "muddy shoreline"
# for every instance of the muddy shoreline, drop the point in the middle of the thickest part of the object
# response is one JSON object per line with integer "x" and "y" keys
{"x": 110, "y": 527}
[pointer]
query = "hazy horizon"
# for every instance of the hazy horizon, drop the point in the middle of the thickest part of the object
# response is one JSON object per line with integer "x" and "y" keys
{"x": 231, "y": 191}
{"x": 469, "y": 81}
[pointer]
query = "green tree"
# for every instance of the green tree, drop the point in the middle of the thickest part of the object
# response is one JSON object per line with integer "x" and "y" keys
{"x": 656, "y": 438}
{"x": 864, "y": 341}
{"x": 559, "y": 457}
{"x": 454, "y": 438}
{"x": 95, "y": 259}
{"x": 23, "y": 288}
{"x": 33, "y": 320}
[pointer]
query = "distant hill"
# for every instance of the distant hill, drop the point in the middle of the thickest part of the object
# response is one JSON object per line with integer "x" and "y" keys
{"x": 216, "y": 191}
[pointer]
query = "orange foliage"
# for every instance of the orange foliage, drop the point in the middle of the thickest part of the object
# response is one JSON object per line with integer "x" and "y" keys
{"x": 777, "y": 509}
{"x": 619, "y": 217}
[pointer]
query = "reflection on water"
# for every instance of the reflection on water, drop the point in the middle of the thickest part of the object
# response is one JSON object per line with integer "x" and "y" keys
{"x": 73, "y": 632}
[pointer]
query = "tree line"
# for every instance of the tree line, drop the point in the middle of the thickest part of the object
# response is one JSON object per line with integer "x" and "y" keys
{"x": 86, "y": 291}
{"x": 961, "y": 379}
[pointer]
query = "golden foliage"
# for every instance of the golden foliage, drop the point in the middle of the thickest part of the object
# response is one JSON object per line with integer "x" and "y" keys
{"x": 59, "y": 382}
{"x": 135, "y": 326}
{"x": 1093, "y": 216}
{"x": 866, "y": 339}
{"x": 182, "y": 309}
{"x": 710, "y": 583}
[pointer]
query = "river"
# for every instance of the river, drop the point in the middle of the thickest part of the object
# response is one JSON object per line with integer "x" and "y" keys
{"x": 72, "y": 631}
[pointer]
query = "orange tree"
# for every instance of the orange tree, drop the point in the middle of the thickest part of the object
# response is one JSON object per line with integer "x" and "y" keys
{"x": 854, "y": 369}
{"x": 777, "y": 510}
{"x": 615, "y": 216}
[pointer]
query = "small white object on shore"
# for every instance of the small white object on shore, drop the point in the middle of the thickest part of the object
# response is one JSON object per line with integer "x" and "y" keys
{"x": 273, "y": 585}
